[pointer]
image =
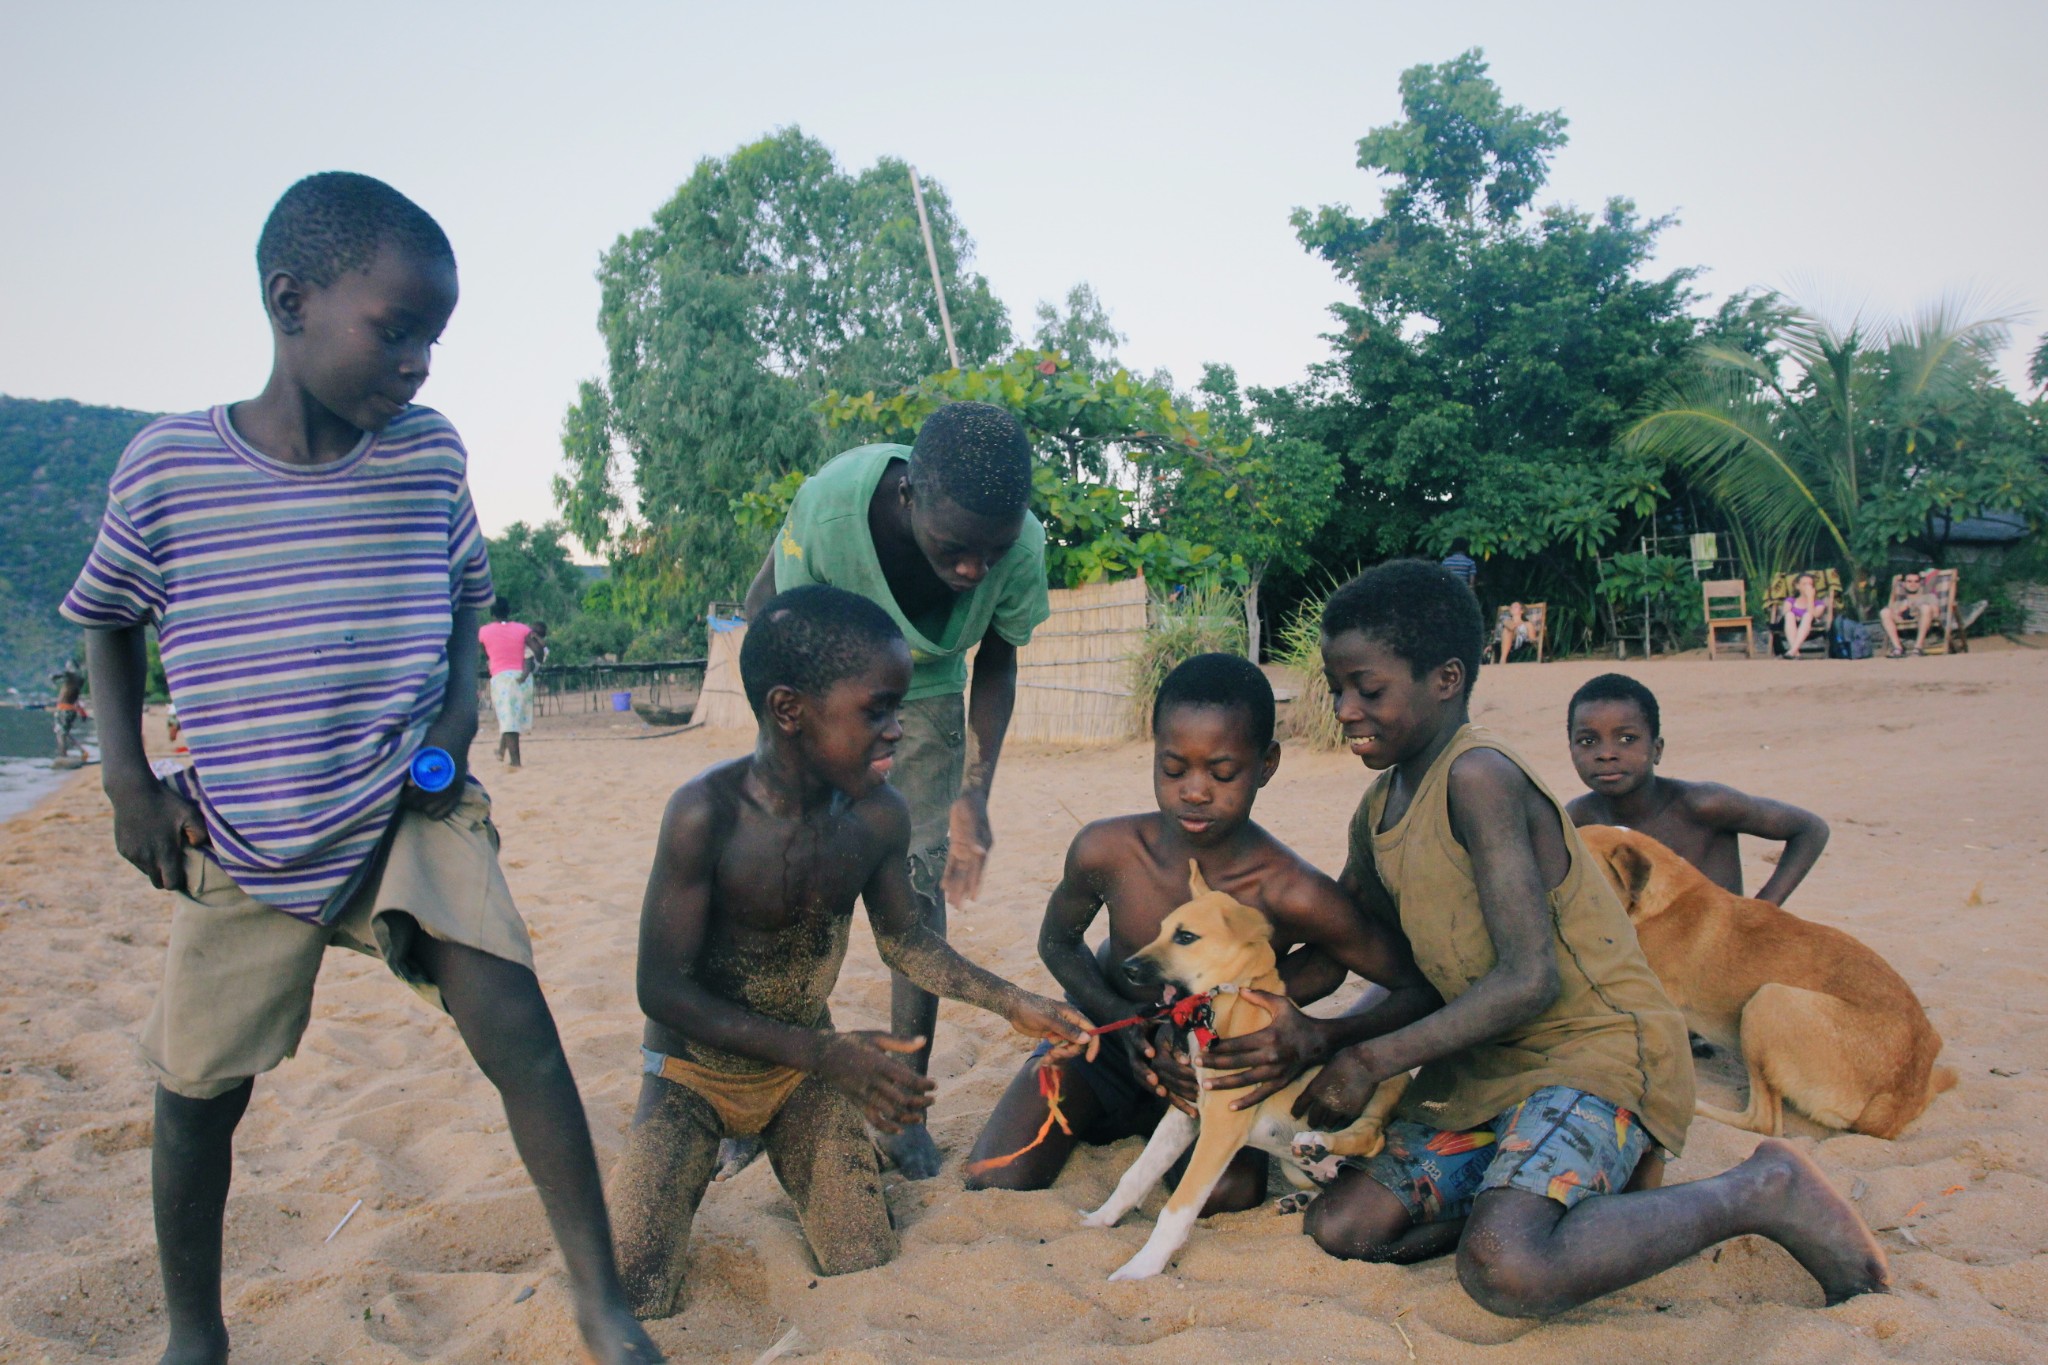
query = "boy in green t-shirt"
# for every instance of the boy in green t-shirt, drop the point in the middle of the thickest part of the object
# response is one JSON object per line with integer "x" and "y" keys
{"x": 940, "y": 536}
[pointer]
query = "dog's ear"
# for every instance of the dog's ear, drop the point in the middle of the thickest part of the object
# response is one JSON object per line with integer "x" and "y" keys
{"x": 1247, "y": 924}
{"x": 1195, "y": 882}
{"x": 1632, "y": 869}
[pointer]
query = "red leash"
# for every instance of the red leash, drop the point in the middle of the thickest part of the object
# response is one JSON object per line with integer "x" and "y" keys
{"x": 1190, "y": 1013}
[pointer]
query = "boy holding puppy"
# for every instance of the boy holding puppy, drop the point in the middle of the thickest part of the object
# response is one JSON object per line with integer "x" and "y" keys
{"x": 1212, "y": 750}
{"x": 1556, "y": 1060}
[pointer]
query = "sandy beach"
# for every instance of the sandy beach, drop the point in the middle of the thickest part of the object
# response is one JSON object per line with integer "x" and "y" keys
{"x": 1929, "y": 770}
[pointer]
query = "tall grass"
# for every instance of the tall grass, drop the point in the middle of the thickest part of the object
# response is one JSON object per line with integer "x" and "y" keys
{"x": 1311, "y": 720}
{"x": 1210, "y": 621}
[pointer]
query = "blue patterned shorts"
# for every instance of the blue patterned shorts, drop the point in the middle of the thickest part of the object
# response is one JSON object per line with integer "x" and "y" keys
{"x": 1560, "y": 1143}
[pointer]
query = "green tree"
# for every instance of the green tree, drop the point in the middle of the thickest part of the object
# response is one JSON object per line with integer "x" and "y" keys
{"x": 55, "y": 460}
{"x": 772, "y": 277}
{"x": 1491, "y": 354}
{"x": 1874, "y": 435}
{"x": 1082, "y": 330}
{"x": 1272, "y": 497}
{"x": 531, "y": 570}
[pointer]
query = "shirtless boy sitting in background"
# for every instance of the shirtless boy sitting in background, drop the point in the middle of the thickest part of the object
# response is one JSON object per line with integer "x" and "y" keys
{"x": 1213, "y": 748}
{"x": 742, "y": 935}
{"x": 1617, "y": 741}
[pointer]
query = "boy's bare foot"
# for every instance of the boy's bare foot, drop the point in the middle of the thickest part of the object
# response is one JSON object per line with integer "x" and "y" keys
{"x": 613, "y": 1336}
{"x": 735, "y": 1154}
{"x": 912, "y": 1152}
{"x": 206, "y": 1347}
{"x": 1821, "y": 1229}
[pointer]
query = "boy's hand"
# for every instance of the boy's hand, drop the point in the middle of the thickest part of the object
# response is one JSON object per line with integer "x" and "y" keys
{"x": 1340, "y": 1091}
{"x": 454, "y": 739}
{"x": 152, "y": 826}
{"x": 891, "y": 1096}
{"x": 1162, "y": 1066}
{"x": 1065, "y": 1027}
{"x": 970, "y": 839}
{"x": 1270, "y": 1058}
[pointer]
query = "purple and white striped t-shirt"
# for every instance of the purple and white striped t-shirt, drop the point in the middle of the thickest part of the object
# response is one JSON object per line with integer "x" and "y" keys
{"x": 304, "y": 616}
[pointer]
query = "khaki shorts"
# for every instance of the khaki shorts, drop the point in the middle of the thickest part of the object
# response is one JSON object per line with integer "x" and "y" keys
{"x": 238, "y": 978}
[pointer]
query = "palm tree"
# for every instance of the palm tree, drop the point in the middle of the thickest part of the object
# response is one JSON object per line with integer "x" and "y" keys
{"x": 1801, "y": 462}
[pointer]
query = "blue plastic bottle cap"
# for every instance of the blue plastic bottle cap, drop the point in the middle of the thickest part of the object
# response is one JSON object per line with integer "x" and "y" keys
{"x": 432, "y": 769}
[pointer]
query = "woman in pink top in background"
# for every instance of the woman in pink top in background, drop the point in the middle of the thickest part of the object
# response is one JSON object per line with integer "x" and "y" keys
{"x": 504, "y": 641}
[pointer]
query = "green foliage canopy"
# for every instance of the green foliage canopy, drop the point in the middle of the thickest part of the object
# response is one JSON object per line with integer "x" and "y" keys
{"x": 531, "y": 569}
{"x": 1491, "y": 354}
{"x": 1082, "y": 329}
{"x": 55, "y": 460}
{"x": 772, "y": 277}
{"x": 1845, "y": 442}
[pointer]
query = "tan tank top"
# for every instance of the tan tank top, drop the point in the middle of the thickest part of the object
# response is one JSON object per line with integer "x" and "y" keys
{"x": 1612, "y": 1032}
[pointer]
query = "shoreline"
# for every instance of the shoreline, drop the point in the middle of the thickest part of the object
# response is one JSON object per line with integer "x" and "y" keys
{"x": 26, "y": 783}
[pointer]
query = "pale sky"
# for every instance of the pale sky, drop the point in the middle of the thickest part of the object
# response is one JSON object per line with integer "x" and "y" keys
{"x": 1869, "y": 154}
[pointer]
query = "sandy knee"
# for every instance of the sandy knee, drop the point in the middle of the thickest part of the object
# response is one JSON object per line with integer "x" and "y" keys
{"x": 1016, "y": 1176}
{"x": 1505, "y": 1277}
{"x": 845, "y": 1255}
{"x": 1352, "y": 1233}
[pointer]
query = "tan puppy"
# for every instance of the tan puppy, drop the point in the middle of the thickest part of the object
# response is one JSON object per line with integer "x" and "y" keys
{"x": 1821, "y": 1020}
{"x": 1215, "y": 944}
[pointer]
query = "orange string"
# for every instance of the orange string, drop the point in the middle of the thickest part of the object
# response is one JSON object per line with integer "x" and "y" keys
{"x": 1049, "y": 1088}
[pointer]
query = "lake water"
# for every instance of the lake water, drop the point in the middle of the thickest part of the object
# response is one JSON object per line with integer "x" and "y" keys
{"x": 27, "y": 744}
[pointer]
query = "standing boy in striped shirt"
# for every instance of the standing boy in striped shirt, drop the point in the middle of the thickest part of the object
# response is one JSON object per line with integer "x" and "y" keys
{"x": 314, "y": 569}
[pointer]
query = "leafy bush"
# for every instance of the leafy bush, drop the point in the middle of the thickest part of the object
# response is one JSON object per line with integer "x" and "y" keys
{"x": 662, "y": 645}
{"x": 1312, "y": 720}
{"x": 1204, "y": 621}
{"x": 587, "y": 637}
{"x": 1666, "y": 584}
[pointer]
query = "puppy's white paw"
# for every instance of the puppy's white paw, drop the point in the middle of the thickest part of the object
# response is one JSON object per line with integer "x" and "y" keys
{"x": 1310, "y": 1147}
{"x": 1294, "y": 1203}
{"x": 1104, "y": 1217}
{"x": 1139, "y": 1267}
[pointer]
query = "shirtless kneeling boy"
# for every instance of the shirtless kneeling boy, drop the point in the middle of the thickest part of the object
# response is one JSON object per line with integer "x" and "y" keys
{"x": 742, "y": 935}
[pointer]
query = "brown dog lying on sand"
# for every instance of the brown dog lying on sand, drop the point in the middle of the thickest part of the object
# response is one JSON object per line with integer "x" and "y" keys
{"x": 1217, "y": 946}
{"x": 1821, "y": 1021}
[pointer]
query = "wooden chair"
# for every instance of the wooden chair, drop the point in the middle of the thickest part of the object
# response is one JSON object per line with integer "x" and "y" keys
{"x": 1946, "y": 587}
{"x": 1827, "y": 591}
{"x": 1722, "y": 595}
{"x": 1507, "y": 633}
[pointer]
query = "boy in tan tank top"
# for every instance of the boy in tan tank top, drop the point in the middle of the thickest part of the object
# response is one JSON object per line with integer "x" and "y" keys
{"x": 1556, "y": 1060}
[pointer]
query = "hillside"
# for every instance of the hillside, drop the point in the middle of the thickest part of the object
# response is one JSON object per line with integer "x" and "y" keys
{"x": 55, "y": 459}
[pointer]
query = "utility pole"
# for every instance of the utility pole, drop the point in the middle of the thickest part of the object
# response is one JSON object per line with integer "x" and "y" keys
{"x": 931, "y": 254}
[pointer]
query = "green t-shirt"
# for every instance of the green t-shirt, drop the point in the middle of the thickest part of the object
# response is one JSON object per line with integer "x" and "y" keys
{"x": 826, "y": 540}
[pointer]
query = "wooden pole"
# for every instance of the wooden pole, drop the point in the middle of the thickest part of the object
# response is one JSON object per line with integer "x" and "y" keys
{"x": 931, "y": 254}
